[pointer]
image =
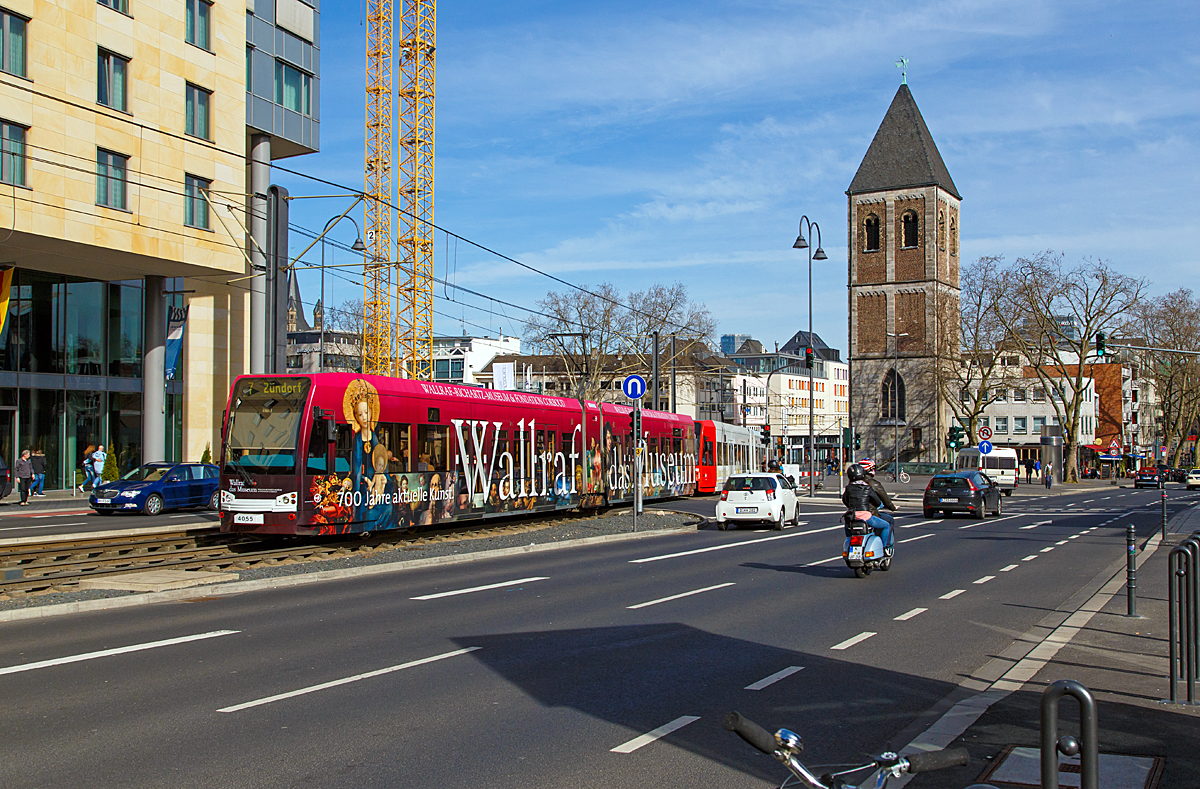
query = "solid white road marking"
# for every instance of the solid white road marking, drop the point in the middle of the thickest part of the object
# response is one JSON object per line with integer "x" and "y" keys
{"x": 118, "y": 651}
{"x": 661, "y": 731}
{"x": 968, "y": 526}
{"x": 849, "y": 642}
{"x": 677, "y": 596}
{"x": 41, "y": 526}
{"x": 733, "y": 545}
{"x": 919, "y": 537}
{"x": 907, "y": 616}
{"x": 346, "y": 680}
{"x": 480, "y": 588}
{"x": 952, "y": 595}
{"x": 984, "y": 579}
{"x": 771, "y": 680}
{"x": 1010, "y": 567}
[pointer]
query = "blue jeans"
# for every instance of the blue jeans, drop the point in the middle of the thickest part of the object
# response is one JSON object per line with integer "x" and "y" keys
{"x": 882, "y": 528}
{"x": 38, "y": 481}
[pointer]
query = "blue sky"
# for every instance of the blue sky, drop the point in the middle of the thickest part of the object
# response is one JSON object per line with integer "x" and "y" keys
{"x": 654, "y": 142}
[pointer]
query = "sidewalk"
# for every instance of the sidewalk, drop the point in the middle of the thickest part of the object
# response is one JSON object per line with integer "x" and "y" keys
{"x": 54, "y": 500}
{"x": 1123, "y": 662}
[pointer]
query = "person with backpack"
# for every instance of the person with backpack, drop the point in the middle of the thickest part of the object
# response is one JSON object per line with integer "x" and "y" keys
{"x": 38, "y": 461}
{"x": 88, "y": 468}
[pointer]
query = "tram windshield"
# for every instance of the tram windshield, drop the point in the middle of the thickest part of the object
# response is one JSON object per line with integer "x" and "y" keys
{"x": 264, "y": 425}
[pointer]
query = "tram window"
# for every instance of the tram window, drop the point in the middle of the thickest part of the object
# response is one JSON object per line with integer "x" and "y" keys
{"x": 540, "y": 443}
{"x": 317, "y": 446}
{"x": 394, "y": 437}
{"x": 676, "y": 445}
{"x": 433, "y": 445}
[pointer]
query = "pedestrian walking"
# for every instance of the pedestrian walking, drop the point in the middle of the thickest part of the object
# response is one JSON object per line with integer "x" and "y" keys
{"x": 86, "y": 463}
{"x": 1049, "y": 475}
{"x": 98, "y": 458}
{"x": 24, "y": 472}
{"x": 1028, "y": 471}
{"x": 38, "y": 461}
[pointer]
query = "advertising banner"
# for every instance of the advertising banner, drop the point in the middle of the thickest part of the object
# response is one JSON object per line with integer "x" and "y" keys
{"x": 176, "y": 320}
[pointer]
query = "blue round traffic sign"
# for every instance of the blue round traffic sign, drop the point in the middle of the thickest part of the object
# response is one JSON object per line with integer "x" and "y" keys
{"x": 634, "y": 386}
{"x": 985, "y": 447}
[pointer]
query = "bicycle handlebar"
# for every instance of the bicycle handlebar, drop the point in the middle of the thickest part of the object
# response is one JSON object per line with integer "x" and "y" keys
{"x": 937, "y": 760}
{"x": 751, "y": 732}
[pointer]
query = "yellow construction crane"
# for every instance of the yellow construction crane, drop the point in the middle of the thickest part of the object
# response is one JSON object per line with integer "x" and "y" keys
{"x": 405, "y": 347}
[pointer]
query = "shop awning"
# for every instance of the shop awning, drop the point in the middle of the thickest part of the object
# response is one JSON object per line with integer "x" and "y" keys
{"x": 1096, "y": 447}
{"x": 1110, "y": 457}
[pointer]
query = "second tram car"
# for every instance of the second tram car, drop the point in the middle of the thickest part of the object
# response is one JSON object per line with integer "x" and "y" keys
{"x": 725, "y": 450}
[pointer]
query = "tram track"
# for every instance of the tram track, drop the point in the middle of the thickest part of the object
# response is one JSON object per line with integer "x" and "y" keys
{"x": 60, "y": 565}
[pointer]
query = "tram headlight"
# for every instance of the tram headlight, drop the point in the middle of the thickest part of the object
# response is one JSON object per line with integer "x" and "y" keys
{"x": 227, "y": 498}
{"x": 286, "y": 499}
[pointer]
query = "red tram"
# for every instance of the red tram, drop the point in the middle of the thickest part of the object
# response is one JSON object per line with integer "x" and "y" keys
{"x": 338, "y": 453}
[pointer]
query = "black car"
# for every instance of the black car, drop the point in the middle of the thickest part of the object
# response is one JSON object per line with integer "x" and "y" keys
{"x": 1179, "y": 475}
{"x": 1146, "y": 478}
{"x": 962, "y": 491}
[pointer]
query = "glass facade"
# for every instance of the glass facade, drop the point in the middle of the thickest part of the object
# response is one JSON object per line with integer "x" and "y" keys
{"x": 70, "y": 373}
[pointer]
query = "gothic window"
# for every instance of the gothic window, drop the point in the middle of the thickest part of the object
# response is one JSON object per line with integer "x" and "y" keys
{"x": 871, "y": 228}
{"x": 910, "y": 230}
{"x": 893, "y": 396}
{"x": 941, "y": 229}
{"x": 953, "y": 237}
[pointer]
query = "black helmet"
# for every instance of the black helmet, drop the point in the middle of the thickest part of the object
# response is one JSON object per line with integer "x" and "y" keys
{"x": 855, "y": 473}
{"x": 773, "y": 465}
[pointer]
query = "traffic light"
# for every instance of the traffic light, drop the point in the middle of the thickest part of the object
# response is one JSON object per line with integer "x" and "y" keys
{"x": 808, "y": 358}
{"x": 954, "y": 438}
{"x": 857, "y": 441}
{"x": 766, "y": 434}
{"x": 1101, "y": 351}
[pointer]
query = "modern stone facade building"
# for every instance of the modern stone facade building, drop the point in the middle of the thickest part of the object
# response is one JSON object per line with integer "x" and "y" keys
{"x": 903, "y": 223}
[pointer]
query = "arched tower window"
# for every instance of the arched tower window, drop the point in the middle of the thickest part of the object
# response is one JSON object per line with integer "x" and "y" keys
{"x": 941, "y": 229}
{"x": 911, "y": 230}
{"x": 894, "y": 406}
{"x": 953, "y": 237}
{"x": 871, "y": 233}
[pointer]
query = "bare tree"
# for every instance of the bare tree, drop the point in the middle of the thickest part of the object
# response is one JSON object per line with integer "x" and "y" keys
{"x": 1051, "y": 313}
{"x": 973, "y": 364}
{"x": 616, "y": 332}
{"x": 346, "y": 317}
{"x": 1173, "y": 321}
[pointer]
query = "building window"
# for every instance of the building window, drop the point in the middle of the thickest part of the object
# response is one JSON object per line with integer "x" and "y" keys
{"x": 953, "y": 237}
{"x": 911, "y": 230}
{"x": 1001, "y": 426}
{"x": 249, "y": 67}
{"x": 984, "y": 421}
{"x": 893, "y": 396}
{"x": 964, "y": 395}
{"x": 1039, "y": 395}
{"x": 941, "y": 229}
{"x": 293, "y": 88}
{"x": 195, "y": 203}
{"x": 198, "y": 14}
{"x": 12, "y": 153}
{"x": 871, "y": 231}
{"x": 111, "y": 75}
{"x": 1019, "y": 425}
{"x": 1019, "y": 395}
{"x": 116, "y": 5}
{"x": 111, "y": 171}
{"x": 1039, "y": 422}
{"x": 195, "y": 120}
{"x": 1001, "y": 395}
{"x": 12, "y": 43}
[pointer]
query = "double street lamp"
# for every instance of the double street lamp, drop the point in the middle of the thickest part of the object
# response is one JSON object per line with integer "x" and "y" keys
{"x": 801, "y": 243}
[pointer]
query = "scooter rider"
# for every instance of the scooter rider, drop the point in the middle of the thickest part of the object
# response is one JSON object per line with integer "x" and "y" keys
{"x": 859, "y": 496}
{"x": 868, "y": 467}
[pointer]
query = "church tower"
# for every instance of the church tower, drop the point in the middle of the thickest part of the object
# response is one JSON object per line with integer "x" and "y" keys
{"x": 903, "y": 225}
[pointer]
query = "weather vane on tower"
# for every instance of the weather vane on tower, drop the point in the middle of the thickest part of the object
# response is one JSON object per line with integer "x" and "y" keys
{"x": 902, "y": 64}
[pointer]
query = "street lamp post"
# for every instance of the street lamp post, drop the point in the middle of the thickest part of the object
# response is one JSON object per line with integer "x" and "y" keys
{"x": 358, "y": 247}
{"x": 801, "y": 243}
{"x": 896, "y": 403}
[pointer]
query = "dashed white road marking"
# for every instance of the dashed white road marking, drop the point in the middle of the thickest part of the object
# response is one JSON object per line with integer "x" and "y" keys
{"x": 909, "y": 615}
{"x": 984, "y": 579}
{"x": 1073, "y": 537}
{"x": 346, "y": 680}
{"x": 678, "y": 596}
{"x": 1029, "y": 558}
{"x": 952, "y": 595}
{"x": 455, "y": 592}
{"x": 1061, "y": 542}
{"x": 117, "y": 651}
{"x": 1035, "y": 525}
{"x": 771, "y": 680}
{"x": 823, "y": 561}
{"x": 733, "y": 545}
{"x": 1047, "y": 549}
{"x": 660, "y": 732}
{"x": 1009, "y": 568}
{"x": 849, "y": 642}
{"x": 919, "y": 537}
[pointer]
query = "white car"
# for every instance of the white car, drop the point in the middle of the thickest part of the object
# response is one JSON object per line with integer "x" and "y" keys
{"x": 1193, "y": 479}
{"x": 757, "y": 498}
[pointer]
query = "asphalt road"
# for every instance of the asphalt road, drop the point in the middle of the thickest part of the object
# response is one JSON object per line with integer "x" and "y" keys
{"x": 554, "y": 672}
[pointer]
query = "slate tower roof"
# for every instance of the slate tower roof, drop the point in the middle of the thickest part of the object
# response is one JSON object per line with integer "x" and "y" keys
{"x": 903, "y": 153}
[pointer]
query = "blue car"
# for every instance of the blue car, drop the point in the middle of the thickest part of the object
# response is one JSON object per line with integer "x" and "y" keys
{"x": 154, "y": 487}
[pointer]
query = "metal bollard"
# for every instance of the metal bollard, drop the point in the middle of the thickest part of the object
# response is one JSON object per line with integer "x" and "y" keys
{"x": 1131, "y": 570}
{"x": 1164, "y": 516}
{"x": 1088, "y": 744}
{"x": 1181, "y": 620}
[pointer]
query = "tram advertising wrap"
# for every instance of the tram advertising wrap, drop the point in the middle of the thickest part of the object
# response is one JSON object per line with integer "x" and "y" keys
{"x": 338, "y": 453}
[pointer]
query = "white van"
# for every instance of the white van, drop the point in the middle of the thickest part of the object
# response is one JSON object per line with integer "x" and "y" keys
{"x": 1000, "y": 464}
